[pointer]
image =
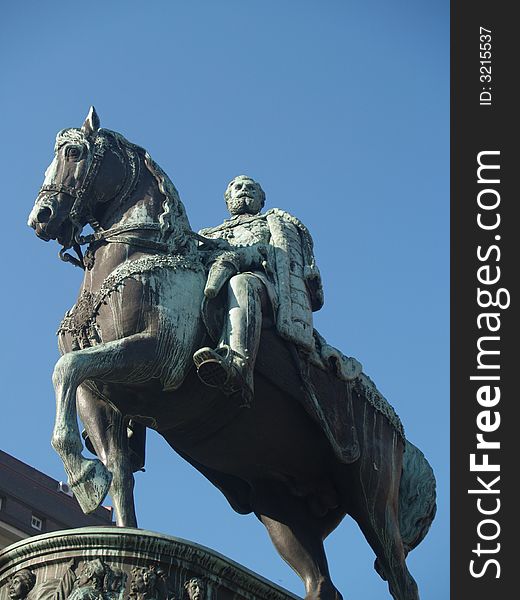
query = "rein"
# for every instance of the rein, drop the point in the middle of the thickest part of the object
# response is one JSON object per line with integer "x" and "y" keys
{"x": 114, "y": 234}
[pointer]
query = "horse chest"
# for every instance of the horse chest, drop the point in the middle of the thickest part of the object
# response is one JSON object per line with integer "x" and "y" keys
{"x": 151, "y": 292}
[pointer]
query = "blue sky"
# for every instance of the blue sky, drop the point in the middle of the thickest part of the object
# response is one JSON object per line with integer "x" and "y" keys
{"x": 340, "y": 110}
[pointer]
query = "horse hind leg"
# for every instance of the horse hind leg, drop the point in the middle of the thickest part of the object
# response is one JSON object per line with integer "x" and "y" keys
{"x": 385, "y": 540}
{"x": 107, "y": 433}
{"x": 297, "y": 536}
{"x": 376, "y": 513}
{"x": 126, "y": 360}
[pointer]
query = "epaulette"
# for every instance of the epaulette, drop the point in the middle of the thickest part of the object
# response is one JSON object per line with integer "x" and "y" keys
{"x": 230, "y": 223}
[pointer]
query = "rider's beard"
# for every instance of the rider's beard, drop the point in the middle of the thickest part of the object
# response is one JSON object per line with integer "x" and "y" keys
{"x": 242, "y": 205}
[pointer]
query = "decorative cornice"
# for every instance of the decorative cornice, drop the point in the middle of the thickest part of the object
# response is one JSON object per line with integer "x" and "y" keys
{"x": 143, "y": 547}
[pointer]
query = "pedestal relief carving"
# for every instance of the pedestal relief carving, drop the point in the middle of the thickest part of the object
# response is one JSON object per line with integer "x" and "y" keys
{"x": 98, "y": 563}
{"x": 20, "y": 584}
{"x": 195, "y": 589}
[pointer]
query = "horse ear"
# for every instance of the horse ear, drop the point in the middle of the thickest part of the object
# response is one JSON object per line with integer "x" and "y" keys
{"x": 91, "y": 123}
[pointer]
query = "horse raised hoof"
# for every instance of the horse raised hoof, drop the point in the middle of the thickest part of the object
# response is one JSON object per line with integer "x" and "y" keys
{"x": 91, "y": 484}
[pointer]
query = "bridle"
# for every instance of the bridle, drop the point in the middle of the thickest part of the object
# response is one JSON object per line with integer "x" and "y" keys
{"x": 80, "y": 196}
{"x": 81, "y": 210}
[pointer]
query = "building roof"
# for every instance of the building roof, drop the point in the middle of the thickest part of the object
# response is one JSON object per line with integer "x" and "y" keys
{"x": 32, "y": 503}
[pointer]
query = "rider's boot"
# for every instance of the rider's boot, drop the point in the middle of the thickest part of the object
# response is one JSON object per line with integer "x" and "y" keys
{"x": 227, "y": 370}
{"x": 230, "y": 366}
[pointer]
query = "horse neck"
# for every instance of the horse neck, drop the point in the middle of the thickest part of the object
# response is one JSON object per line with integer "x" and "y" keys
{"x": 142, "y": 206}
{"x": 154, "y": 202}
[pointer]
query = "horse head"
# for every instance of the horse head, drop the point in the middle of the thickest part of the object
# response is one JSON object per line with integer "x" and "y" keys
{"x": 94, "y": 177}
{"x": 91, "y": 168}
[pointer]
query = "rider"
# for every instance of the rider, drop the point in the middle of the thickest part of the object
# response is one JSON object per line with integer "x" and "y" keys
{"x": 264, "y": 268}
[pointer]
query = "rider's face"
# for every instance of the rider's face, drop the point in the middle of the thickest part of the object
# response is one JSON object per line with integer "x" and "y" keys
{"x": 244, "y": 197}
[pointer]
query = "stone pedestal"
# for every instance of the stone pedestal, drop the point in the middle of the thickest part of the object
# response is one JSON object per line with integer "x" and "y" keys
{"x": 98, "y": 563}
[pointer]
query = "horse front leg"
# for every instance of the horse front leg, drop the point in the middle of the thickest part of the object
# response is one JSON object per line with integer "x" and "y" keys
{"x": 128, "y": 360}
{"x": 107, "y": 432}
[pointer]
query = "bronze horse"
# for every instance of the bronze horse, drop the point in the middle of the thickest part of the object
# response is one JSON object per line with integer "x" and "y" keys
{"x": 126, "y": 364}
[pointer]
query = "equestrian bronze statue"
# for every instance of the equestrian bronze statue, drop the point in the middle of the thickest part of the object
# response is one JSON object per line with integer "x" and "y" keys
{"x": 208, "y": 339}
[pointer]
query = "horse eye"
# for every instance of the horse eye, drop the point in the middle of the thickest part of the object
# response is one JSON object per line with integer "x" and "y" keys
{"x": 73, "y": 152}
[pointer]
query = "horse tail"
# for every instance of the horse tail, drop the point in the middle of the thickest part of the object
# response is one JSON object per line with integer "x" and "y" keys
{"x": 417, "y": 505}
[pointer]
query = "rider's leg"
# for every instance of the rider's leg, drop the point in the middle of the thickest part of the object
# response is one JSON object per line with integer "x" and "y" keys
{"x": 246, "y": 297}
{"x": 231, "y": 366}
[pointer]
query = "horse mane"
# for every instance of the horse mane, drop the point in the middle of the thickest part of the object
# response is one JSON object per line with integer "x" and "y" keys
{"x": 173, "y": 221}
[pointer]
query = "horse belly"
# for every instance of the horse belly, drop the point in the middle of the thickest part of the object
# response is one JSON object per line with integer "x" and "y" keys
{"x": 274, "y": 439}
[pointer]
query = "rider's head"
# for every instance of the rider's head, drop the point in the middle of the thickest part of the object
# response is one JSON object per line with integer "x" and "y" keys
{"x": 244, "y": 196}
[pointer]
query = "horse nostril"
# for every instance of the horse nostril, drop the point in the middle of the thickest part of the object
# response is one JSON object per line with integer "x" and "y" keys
{"x": 44, "y": 214}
